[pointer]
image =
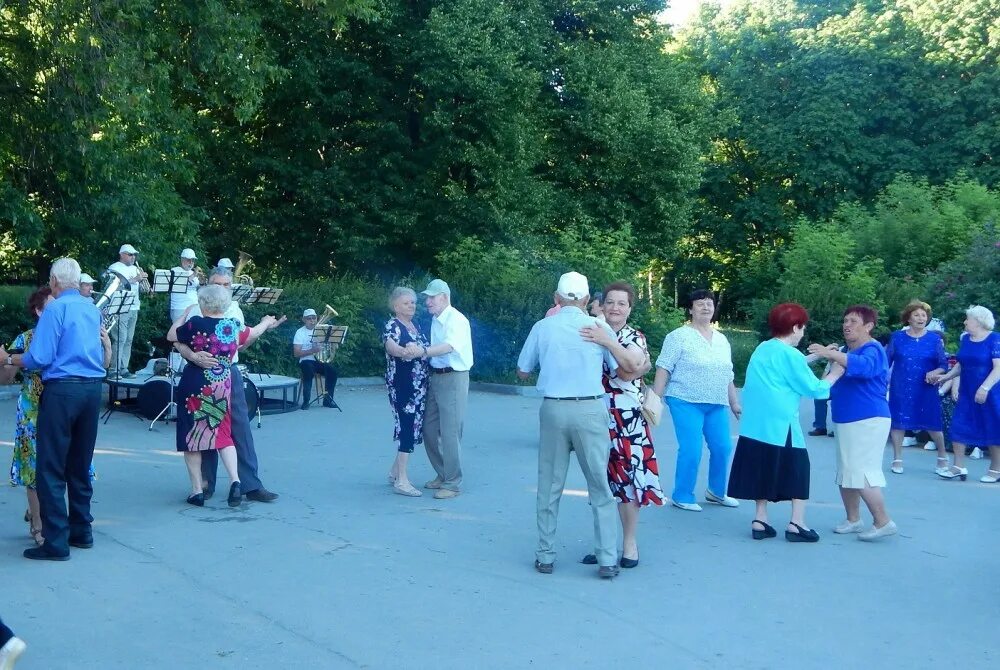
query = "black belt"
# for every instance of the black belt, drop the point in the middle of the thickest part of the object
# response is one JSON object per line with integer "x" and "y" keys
{"x": 441, "y": 371}
{"x": 582, "y": 397}
{"x": 73, "y": 380}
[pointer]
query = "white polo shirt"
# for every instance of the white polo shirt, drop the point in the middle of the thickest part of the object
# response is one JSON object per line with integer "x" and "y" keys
{"x": 451, "y": 327}
{"x": 303, "y": 338}
{"x": 179, "y": 301}
{"x": 131, "y": 273}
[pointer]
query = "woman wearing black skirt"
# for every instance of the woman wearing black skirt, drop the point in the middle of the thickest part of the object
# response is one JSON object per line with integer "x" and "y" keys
{"x": 771, "y": 462}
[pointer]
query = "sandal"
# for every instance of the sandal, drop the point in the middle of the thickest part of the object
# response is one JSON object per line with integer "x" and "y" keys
{"x": 898, "y": 469}
{"x": 768, "y": 530}
{"x": 406, "y": 490}
{"x": 942, "y": 464}
{"x": 36, "y": 535}
{"x": 991, "y": 477}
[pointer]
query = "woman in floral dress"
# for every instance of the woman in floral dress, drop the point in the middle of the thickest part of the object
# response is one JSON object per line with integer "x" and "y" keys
{"x": 406, "y": 373}
{"x": 633, "y": 473}
{"x": 204, "y": 414}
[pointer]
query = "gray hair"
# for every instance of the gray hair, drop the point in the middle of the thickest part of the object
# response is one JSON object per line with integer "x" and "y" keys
{"x": 982, "y": 315}
{"x": 214, "y": 299}
{"x": 399, "y": 292}
{"x": 66, "y": 272}
{"x": 220, "y": 272}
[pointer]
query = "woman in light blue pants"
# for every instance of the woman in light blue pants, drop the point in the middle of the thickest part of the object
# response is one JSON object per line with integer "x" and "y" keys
{"x": 695, "y": 371}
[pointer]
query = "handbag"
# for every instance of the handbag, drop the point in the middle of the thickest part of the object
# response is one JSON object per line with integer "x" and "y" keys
{"x": 652, "y": 407}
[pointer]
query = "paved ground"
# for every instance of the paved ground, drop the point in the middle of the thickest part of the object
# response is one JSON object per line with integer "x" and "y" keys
{"x": 341, "y": 573}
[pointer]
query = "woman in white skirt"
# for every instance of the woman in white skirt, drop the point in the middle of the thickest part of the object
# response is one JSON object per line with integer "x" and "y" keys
{"x": 861, "y": 422}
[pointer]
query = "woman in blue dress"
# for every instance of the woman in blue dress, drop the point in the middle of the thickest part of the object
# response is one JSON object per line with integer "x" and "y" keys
{"x": 917, "y": 357}
{"x": 977, "y": 413}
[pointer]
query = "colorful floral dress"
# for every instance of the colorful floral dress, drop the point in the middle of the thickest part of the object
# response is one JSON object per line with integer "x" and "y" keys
{"x": 22, "y": 469}
{"x": 633, "y": 473}
{"x": 407, "y": 385}
{"x": 204, "y": 413}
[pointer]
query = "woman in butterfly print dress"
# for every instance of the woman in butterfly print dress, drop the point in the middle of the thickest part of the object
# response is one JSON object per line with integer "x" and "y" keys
{"x": 204, "y": 413}
{"x": 633, "y": 474}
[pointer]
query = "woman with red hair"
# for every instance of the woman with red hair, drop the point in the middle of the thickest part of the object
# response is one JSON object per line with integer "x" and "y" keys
{"x": 771, "y": 462}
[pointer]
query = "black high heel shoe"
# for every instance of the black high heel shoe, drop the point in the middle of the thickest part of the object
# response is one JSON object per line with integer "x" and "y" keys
{"x": 235, "y": 495}
{"x": 802, "y": 536}
{"x": 196, "y": 499}
{"x": 768, "y": 531}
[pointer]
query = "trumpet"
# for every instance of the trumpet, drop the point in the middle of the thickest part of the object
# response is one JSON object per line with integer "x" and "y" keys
{"x": 144, "y": 285}
{"x": 242, "y": 262}
{"x": 327, "y": 349}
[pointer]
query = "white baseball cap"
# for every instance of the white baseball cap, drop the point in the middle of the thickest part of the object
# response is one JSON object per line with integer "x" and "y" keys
{"x": 573, "y": 285}
{"x": 309, "y": 312}
{"x": 225, "y": 263}
{"x": 128, "y": 249}
{"x": 86, "y": 278}
{"x": 188, "y": 254}
{"x": 437, "y": 287}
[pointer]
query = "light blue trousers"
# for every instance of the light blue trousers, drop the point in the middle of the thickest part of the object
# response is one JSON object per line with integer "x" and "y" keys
{"x": 692, "y": 422}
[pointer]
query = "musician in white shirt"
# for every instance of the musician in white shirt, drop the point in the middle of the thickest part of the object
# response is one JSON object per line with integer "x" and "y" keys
{"x": 181, "y": 301}
{"x": 304, "y": 350}
{"x": 121, "y": 334}
{"x": 450, "y": 356}
{"x": 86, "y": 285}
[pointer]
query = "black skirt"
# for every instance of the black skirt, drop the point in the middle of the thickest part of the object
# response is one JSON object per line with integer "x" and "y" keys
{"x": 763, "y": 471}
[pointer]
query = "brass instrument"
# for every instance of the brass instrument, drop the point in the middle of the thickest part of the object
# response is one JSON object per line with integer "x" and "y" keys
{"x": 200, "y": 274}
{"x": 327, "y": 350}
{"x": 242, "y": 262}
{"x": 144, "y": 285}
{"x": 116, "y": 283}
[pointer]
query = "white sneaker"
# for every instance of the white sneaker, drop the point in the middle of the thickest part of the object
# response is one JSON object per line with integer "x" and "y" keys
{"x": 10, "y": 652}
{"x": 725, "y": 501}
{"x": 976, "y": 454}
{"x": 930, "y": 446}
{"x": 874, "y": 533}
{"x": 690, "y": 507}
{"x": 846, "y": 527}
{"x": 909, "y": 441}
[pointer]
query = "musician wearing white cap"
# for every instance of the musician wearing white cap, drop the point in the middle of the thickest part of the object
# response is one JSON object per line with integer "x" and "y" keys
{"x": 225, "y": 263}
{"x": 181, "y": 301}
{"x": 304, "y": 350}
{"x": 450, "y": 357}
{"x": 121, "y": 334}
{"x": 86, "y": 285}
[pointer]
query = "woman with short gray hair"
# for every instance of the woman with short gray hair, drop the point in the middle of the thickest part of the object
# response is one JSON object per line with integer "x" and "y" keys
{"x": 204, "y": 413}
{"x": 406, "y": 376}
{"x": 977, "y": 413}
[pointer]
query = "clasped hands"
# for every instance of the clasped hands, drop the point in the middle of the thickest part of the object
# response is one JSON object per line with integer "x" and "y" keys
{"x": 413, "y": 350}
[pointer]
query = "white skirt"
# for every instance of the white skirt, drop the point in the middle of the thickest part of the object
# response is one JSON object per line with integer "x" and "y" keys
{"x": 860, "y": 445}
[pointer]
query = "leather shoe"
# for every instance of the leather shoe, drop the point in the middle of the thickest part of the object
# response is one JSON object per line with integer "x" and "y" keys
{"x": 434, "y": 483}
{"x": 589, "y": 559}
{"x": 235, "y": 495}
{"x": 208, "y": 492}
{"x": 607, "y": 571}
{"x": 82, "y": 541}
{"x": 443, "y": 494}
{"x": 196, "y": 499}
{"x": 261, "y": 495}
{"x": 43, "y": 554}
{"x": 331, "y": 404}
{"x": 628, "y": 562}
{"x": 305, "y": 406}
{"x": 544, "y": 568}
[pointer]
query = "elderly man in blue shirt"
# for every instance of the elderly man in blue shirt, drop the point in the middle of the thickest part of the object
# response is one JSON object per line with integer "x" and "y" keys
{"x": 71, "y": 350}
{"x": 573, "y": 417}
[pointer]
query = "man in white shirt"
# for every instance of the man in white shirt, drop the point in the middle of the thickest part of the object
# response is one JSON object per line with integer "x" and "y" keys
{"x": 304, "y": 350}
{"x": 86, "y": 285}
{"x": 121, "y": 334}
{"x": 246, "y": 454}
{"x": 573, "y": 417}
{"x": 181, "y": 301}
{"x": 450, "y": 357}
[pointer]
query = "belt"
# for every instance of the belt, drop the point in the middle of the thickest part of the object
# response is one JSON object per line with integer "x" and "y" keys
{"x": 582, "y": 397}
{"x": 441, "y": 371}
{"x": 73, "y": 380}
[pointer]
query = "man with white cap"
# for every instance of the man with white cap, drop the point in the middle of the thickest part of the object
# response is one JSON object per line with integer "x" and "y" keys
{"x": 225, "y": 263}
{"x": 450, "y": 357}
{"x": 121, "y": 334}
{"x": 181, "y": 301}
{"x": 573, "y": 417}
{"x": 86, "y": 285}
{"x": 304, "y": 350}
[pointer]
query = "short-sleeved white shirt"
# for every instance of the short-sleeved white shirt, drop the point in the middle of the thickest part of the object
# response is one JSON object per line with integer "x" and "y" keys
{"x": 700, "y": 370}
{"x": 303, "y": 338}
{"x": 452, "y": 327}
{"x": 179, "y": 301}
{"x": 131, "y": 273}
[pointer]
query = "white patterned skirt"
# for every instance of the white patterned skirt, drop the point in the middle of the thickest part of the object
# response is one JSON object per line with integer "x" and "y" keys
{"x": 860, "y": 445}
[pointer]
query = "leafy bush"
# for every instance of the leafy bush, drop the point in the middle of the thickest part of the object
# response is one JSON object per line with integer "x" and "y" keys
{"x": 973, "y": 278}
{"x": 14, "y": 317}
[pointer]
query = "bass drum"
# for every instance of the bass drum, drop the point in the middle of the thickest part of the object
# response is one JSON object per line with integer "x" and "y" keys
{"x": 252, "y": 396}
{"x": 153, "y": 396}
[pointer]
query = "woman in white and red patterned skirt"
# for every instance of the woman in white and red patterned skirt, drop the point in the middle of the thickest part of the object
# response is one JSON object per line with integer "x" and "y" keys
{"x": 633, "y": 474}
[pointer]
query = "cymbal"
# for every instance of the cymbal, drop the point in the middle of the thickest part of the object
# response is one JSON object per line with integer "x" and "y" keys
{"x": 162, "y": 343}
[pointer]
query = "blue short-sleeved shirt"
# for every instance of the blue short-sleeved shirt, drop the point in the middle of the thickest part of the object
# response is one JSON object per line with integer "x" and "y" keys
{"x": 861, "y": 392}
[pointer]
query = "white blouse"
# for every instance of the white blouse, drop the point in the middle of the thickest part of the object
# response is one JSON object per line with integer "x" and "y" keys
{"x": 700, "y": 370}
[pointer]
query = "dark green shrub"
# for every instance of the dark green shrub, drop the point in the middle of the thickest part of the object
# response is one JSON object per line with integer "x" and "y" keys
{"x": 973, "y": 278}
{"x": 14, "y": 317}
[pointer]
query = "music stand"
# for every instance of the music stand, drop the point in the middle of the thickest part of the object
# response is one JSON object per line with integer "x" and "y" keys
{"x": 326, "y": 335}
{"x": 241, "y": 292}
{"x": 264, "y": 296}
{"x": 120, "y": 302}
{"x": 171, "y": 281}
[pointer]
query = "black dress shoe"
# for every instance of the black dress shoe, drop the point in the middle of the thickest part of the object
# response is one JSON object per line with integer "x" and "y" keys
{"x": 589, "y": 559}
{"x": 544, "y": 568}
{"x": 818, "y": 432}
{"x": 802, "y": 535}
{"x": 235, "y": 495}
{"x": 208, "y": 492}
{"x": 262, "y": 495}
{"x": 43, "y": 554}
{"x": 628, "y": 562}
{"x": 82, "y": 541}
{"x": 196, "y": 499}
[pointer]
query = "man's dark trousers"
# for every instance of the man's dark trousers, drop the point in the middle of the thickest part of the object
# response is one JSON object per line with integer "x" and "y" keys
{"x": 312, "y": 368}
{"x": 246, "y": 456}
{"x": 67, "y": 430}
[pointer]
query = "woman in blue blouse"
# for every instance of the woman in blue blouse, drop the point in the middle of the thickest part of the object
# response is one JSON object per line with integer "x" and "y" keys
{"x": 771, "y": 462}
{"x": 917, "y": 357}
{"x": 977, "y": 412}
{"x": 861, "y": 422}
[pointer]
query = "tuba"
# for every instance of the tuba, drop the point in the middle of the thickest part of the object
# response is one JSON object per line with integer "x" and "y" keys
{"x": 239, "y": 277}
{"x": 115, "y": 283}
{"x": 328, "y": 349}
